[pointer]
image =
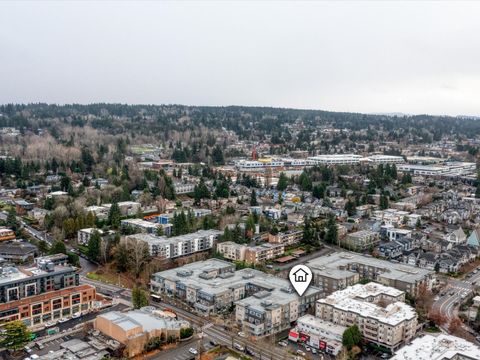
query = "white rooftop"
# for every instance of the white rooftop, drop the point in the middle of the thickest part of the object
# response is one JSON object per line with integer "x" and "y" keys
{"x": 356, "y": 299}
{"x": 439, "y": 347}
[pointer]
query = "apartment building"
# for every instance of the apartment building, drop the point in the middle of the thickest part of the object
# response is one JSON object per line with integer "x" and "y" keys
{"x": 183, "y": 188}
{"x": 261, "y": 253}
{"x": 146, "y": 227}
{"x": 438, "y": 347}
{"x": 362, "y": 240}
{"x": 176, "y": 246}
{"x": 379, "y": 311}
{"x": 41, "y": 293}
{"x": 287, "y": 238}
{"x": 84, "y": 235}
{"x": 264, "y": 304}
{"x": 135, "y": 328}
{"x": 232, "y": 251}
{"x": 341, "y": 269}
{"x": 6, "y": 234}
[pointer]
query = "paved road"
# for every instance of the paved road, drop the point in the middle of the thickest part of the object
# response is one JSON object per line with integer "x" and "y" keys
{"x": 454, "y": 293}
{"x": 39, "y": 235}
{"x": 227, "y": 338}
{"x": 181, "y": 352}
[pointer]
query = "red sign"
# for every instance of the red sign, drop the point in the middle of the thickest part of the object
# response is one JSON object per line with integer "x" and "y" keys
{"x": 322, "y": 345}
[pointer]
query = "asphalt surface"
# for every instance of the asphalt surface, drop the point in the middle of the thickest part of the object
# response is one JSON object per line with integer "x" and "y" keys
{"x": 181, "y": 352}
{"x": 70, "y": 324}
{"x": 454, "y": 293}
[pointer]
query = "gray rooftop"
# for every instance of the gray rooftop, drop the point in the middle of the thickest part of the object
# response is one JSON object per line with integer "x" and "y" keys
{"x": 278, "y": 291}
{"x": 333, "y": 266}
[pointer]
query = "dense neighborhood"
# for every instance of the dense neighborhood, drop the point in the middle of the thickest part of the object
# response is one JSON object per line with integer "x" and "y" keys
{"x": 153, "y": 232}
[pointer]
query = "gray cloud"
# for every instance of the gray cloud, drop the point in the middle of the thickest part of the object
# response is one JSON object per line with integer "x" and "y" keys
{"x": 348, "y": 56}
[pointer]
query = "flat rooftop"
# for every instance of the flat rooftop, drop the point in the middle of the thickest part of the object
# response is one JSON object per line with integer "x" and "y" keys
{"x": 278, "y": 291}
{"x": 441, "y": 347}
{"x": 154, "y": 240}
{"x": 336, "y": 266}
{"x": 144, "y": 318}
{"x": 355, "y": 299}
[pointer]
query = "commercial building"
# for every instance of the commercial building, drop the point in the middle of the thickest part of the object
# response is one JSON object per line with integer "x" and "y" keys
{"x": 319, "y": 334}
{"x": 264, "y": 304}
{"x": 336, "y": 159}
{"x": 41, "y": 293}
{"x": 175, "y": 246}
{"x": 362, "y": 240}
{"x": 379, "y": 312}
{"x": 445, "y": 169}
{"x": 385, "y": 159}
{"x": 438, "y": 347}
{"x": 135, "y": 328}
{"x": 341, "y": 269}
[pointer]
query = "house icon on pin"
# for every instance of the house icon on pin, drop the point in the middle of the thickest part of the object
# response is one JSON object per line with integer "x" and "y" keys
{"x": 300, "y": 275}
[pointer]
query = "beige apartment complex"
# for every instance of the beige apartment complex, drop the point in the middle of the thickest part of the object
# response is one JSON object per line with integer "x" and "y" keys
{"x": 379, "y": 311}
{"x": 341, "y": 269}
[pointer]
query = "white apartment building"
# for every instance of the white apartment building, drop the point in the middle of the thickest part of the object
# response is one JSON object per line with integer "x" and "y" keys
{"x": 84, "y": 235}
{"x": 440, "y": 347}
{"x": 176, "y": 246}
{"x": 379, "y": 311}
{"x": 183, "y": 188}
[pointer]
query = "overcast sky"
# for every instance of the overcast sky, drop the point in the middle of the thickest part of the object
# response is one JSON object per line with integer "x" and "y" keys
{"x": 365, "y": 57}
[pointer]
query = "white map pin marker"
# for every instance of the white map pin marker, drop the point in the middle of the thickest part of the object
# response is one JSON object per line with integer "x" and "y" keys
{"x": 300, "y": 276}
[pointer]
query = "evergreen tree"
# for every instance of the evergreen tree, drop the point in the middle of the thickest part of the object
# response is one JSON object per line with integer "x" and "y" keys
{"x": 217, "y": 156}
{"x": 331, "y": 235}
{"x": 309, "y": 233}
{"x": 11, "y": 220}
{"x": 350, "y": 207}
{"x": 58, "y": 247}
{"x": 383, "y": 202}
{"x": 351, "y": 337}
{"x": 253, "y": 198}
{"x": 319, "y": 191}
{"x": 250, "y": 226}
{"x": 114, "y": 216}
{"x": 94, "y": 243}
{"x": 139, "y": 297}
{"x": 282, "y": 182}
{"x": 121, "y": 257}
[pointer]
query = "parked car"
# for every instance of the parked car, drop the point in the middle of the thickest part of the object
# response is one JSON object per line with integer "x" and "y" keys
{"x": 242, "y": 334}
{"x": 300, "y": 352}
{"x": 193, "y": 351}
{"x": 238, "y": 347}
{"x": 283, "y": 343}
